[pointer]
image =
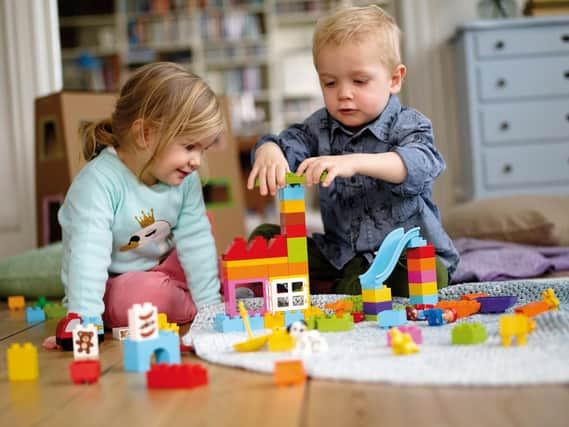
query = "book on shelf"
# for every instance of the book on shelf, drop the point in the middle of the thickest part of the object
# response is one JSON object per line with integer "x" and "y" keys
{"x": 546, "y": 8}
{"x": 232, "y": 25}
{"x": 548, "y": 2}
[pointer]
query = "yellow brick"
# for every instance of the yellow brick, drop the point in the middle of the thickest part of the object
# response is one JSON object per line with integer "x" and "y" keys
{"x": 291, "y": 206}
{"x": 423, "y": 288}
{"x": 22, "y": 362}
{"x": 273, "y": 321}
{"x": 376, "y": 295}
{"x": 257, "y": 261}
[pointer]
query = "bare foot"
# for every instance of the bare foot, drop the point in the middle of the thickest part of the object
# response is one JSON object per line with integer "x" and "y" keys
{"x": 50, "y": 344}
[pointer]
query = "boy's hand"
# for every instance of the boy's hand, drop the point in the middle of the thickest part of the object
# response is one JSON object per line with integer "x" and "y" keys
{"x": 344, "y": 166}
{"x": 270, "y": 168}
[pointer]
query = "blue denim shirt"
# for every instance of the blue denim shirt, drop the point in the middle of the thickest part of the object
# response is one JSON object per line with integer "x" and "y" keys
{"x": 358, "y": 212}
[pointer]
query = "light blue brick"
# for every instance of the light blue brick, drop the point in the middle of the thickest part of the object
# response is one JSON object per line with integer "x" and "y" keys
{"x": 292, "y": 316}
{"x": 137, "y": 354}
{"x": 424, "y": 299}
{"x": 35, "y": 315}
{"x": 224, "y": 323}
{"x": 390, "y": 318}
{"x": 292, "y": 192}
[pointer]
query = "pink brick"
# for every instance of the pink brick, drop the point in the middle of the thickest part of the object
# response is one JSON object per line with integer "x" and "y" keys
{"x": 422, "y": 276}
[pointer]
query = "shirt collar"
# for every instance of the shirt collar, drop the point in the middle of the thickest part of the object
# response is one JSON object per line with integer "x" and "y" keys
{"x": 380, "y": 127}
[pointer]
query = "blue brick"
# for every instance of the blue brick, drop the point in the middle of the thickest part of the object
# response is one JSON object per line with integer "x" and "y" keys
{"x": 292, "y": 192}
{"x": 390, "y": 318}
{"x": 424, "y": 299}
{"x": 35, "y": 315}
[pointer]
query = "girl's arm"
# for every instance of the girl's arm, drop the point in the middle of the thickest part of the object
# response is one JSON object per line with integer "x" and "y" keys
{"x": 195, "y": 246}
{"x": 86, "y": 218}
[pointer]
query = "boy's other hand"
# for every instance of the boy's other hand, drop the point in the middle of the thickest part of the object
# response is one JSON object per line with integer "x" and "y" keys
{"x": 313, "y": 167}
{"x": 270, "y": 167}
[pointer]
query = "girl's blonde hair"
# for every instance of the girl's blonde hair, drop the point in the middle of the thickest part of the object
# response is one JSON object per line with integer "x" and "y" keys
{"x": 354, "y": 24}
{"x": 169, "y": 99}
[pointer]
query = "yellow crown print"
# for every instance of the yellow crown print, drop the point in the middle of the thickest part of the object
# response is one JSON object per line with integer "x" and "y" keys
{"x": 145, "y": 220}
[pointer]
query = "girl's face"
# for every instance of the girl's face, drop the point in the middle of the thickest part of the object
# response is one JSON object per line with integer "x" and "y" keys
{"x": 178, "y": 160}
{"x": 355, "y": 83}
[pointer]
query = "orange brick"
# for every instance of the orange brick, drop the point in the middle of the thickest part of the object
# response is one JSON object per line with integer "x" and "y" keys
{"x": 289, "y": 372}
{"x": 246, "y": 272}
{"x": 420, "y": 264}
{"x": 278, "y": 269}
{"x": 298, "y": 268}
{"x": 533, "y": 308}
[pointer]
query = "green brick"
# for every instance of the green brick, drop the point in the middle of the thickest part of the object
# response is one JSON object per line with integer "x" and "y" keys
{"x": 297, "y": 249}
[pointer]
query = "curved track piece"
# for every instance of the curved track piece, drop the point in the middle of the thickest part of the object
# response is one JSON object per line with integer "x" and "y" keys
{"x": 386, "y": 257}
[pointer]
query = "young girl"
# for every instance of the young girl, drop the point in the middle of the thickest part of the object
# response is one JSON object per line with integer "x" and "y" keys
{"x": 134, "y": 224}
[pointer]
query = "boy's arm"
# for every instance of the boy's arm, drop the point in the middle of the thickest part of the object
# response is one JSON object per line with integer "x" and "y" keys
{"x": 274, "y": 155}
{"x": 195, "y": 246}
{"x": 384, "y": 166}
{"x": 415, "y": 144}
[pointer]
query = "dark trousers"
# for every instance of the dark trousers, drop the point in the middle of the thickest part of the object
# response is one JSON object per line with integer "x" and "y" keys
{"x": 346, "y": 280}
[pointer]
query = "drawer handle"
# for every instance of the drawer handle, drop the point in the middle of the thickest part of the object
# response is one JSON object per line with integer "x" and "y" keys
{"x": 501, "y": 83}
{"x": 566, "y": 74}
{"x": 507, "y": 169}
{"x": 504, "y": 126}
{"x": 565, "y": 38}
{"x": 499, "y": 45}
{"x": 567, "y": 117}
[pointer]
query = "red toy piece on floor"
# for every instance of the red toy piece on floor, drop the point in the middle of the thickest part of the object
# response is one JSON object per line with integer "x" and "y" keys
{"x": 186, "y": 348}
{"x": 85, "y": 371}
{"x": 64, "y": 331}
{"x": 358, "y": 316}
{"x": 186, "y": 375}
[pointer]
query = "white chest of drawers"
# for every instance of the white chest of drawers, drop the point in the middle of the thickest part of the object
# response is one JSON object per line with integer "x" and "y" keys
{"x": 513, "y": 78}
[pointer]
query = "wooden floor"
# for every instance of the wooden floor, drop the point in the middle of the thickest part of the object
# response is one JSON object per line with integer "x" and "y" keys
{"x": 235, "y": 397}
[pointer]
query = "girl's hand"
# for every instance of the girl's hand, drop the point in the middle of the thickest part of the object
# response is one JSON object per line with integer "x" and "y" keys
{"x": 344, "y": 166}
{"x": 270, "y": 168}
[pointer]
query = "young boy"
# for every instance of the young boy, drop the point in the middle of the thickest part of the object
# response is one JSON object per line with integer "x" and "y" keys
{"x": 380, "y": 156}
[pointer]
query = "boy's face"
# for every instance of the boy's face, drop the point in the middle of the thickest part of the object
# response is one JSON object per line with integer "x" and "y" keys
{"x": 355, "y": 84}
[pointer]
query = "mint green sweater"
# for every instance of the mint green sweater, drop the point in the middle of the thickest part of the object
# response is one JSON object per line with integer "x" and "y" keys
{"x": 113, "y": 223}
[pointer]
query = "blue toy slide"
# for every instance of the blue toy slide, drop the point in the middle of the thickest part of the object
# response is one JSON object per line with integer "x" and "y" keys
{"x": 386, "y": 257}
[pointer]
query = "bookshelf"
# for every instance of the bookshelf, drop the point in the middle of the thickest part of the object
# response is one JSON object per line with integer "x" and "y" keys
{"x": 257, "y": 53}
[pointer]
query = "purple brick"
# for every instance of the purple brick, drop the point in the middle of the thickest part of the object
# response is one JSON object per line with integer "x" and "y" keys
{"x": 497, "y": 304}
{"x": 376, "y": 307}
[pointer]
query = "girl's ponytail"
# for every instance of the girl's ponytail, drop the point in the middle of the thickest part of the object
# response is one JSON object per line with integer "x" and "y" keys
{"x": 96, "y": 136}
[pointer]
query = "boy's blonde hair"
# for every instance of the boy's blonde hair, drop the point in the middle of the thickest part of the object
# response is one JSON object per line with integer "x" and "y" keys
{"x": 354, "y": 24}
{"x": 169, "y": 99}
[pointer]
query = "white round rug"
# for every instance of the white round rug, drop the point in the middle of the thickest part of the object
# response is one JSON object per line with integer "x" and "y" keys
{"x": 363, "y": 355}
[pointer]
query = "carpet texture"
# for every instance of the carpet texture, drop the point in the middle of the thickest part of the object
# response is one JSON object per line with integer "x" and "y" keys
{"x": 362, "y": 354}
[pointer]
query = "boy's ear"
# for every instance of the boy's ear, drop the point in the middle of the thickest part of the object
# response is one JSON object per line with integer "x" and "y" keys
{"x": 141, "y": 134}
{"x": 397, "y": 78}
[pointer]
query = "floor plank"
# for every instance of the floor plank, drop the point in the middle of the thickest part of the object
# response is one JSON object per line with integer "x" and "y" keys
{"x": 239, "y": 397}
{"x": 122, "y": 398}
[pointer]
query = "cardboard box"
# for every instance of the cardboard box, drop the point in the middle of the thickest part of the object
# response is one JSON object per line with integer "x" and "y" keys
{"x": 59, "y": 158}
{"x": 58, "y": 150}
